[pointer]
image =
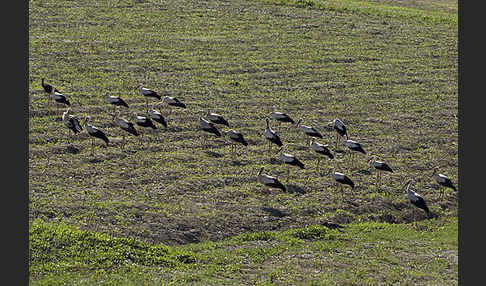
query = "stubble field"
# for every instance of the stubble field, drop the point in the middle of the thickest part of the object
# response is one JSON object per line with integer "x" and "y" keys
{"x": 389, "y": 74}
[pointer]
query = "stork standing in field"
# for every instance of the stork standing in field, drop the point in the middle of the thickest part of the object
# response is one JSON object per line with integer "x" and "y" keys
{"x": 237, "y": 137}
{"x": 340, "y": 129}
{"x": 95, "y": 132}
{"x": 216, "y": 118}
{"x": 281, "y": 117}
{"x": 290, "y": 160}
{"x": 145, "y": 92}
{"x": 144, "y": 122}
{"x": 342, "y": 180}
{"x": 271, "y": 136}
{"x": 354, "y": 147}
{"x": 115, "y": 101}
{"x": 172, "y": 101}
{"x": 310, "y": 131}
{"x": 59, "y": 98}
{"x": 443, "y": 180}
{"x": 48, "y": 89}
{"x": 71, "y": 122}
{"x": 269, "y": 181}
{"x": 157, "y": 117}
{"x": 126, "y": 126}
{"x": 208, "y": 127}
{"x": 320, "y": 149}
{"x": 416, "y": 199}
{"x": 380, "y": 166}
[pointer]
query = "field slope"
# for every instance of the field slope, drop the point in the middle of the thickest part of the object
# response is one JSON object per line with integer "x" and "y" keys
{"x": 388, "y": 71}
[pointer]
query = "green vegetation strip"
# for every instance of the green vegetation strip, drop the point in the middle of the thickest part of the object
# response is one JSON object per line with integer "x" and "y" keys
{"x": 374, "y": 9}
{"x": 368, "y": 253}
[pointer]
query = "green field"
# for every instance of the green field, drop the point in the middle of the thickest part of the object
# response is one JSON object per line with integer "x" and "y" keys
{"x": 176, "y": 206}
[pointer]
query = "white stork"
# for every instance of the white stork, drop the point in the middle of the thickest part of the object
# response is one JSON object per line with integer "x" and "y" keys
{"x": 145, "y": 92}
{"x": 271, "y": 136}
{"x": 281, "y": 117}
{"x": 290, "y": 160}
{"x": 320, "y": 149}
{"x": 172, "y": 101}
{"x": 216, "y": 118}
{"x": 157, "y": 117}
{"x": 269, "y": 181}
{"x": 380, "y": 166}
{"x": 126, "y": 126}
{"x": 94, "y": 132}
{"x": 308, "y": 130}
{"x": 71, "y": 122}
{"x": 208, "y": 127}
{"x": 115, "y": 101}
{"x": 237, "y": 137}
{"x": 342, "y": 180}
{"x": 59, "y": 98}
{"x": 443, "y": 180}
{"x": 144, "y": 122}
{"x": 416, "y": 199}
{"x": 47, "y": 87}
{"x": 340, "y": 129}
{"x": 354, "y": 147}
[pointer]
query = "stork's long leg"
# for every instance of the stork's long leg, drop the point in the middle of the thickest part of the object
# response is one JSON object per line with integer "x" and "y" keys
{"x": 92, "y": 146}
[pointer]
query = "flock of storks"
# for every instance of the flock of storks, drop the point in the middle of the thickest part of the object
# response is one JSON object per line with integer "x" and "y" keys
{"x": 207, "y": 124}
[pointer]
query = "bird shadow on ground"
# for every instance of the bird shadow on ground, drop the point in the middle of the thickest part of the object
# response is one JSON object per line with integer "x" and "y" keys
{"x": 275, "y": 212}
{"x": 295, "y": 189}
{"x": 364, "y": 172}
{"x": 274, "y": 161}
{"x": 95, "y": 160}
{"x": 71, "y": 149}
{"x": 237, "y": 163}
{"x": 173, "y": 129}
{"x": 213, "y": 154}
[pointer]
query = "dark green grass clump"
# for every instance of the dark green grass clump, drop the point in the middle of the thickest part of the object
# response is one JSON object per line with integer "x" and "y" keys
{"x": 62, "y": 247}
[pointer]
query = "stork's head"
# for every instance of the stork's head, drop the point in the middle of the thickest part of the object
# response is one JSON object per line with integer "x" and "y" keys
{"x": 372, "y": 157}
{"x": 261, "y": 170}
{"x": 66, "y": 113}
{"x": 407, "y": 184}
{"x": 87, "y": 120}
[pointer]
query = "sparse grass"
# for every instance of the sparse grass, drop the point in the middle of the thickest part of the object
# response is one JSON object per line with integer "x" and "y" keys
{"x": 390, "y": 73}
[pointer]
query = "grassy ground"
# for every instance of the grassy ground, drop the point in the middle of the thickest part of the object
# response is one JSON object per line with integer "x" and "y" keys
{"x": 421, "y": 253}
{"x": 389, "y": 74}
